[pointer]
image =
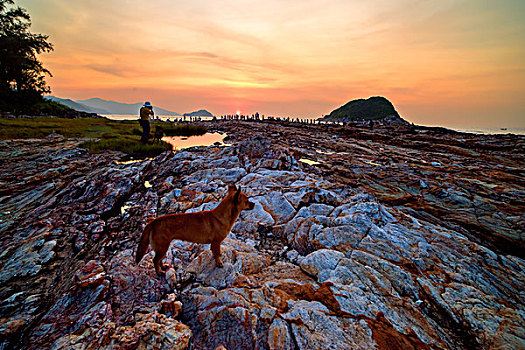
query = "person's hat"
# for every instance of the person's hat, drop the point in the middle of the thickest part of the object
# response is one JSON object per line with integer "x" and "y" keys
{"x": 147, "y": 104}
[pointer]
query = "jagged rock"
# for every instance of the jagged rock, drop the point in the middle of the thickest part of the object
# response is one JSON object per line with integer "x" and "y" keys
{"x": 314, "y": 328}
{"x": 170, "y": 306}
{"x": 71, "y": 312}
{"x": 279, "y": 336}
{"x": 310, "y": 194}
{"x": 277, "y": 206}
{"x": 239, "y": 259}
{"x": 258, "y": 215}
{"x": 152, "y": 330}
{"x": 321, "y": 260}
{"x": 92, "y": 274}
{"x": 133, "y": 285}
{"x": 27, "y": 259}
{"x": 227, "y": 176}
{"x": 314, "y": 210}
{"x": 373, "y": 248}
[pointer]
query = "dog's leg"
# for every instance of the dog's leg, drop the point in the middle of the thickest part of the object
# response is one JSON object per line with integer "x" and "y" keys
{"x": 216, "y": 250}
{"x": 156, "y": 262}
{"x": 160, "y": 268}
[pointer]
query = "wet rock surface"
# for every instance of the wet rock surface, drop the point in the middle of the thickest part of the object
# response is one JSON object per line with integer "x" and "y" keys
{"x": 406, "y": 238}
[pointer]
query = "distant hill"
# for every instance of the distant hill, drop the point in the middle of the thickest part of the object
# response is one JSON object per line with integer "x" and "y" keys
{"x": 114, "y": 107}
{"x": 77, "y": 106}
{"x": 373, "y": 108}
{"x": 101, "y": 106}
{"x": 199, "y": 113}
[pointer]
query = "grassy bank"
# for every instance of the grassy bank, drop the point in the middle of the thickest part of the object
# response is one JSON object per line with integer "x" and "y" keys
{"x": 128, "y": 144}
{"x": 117, "y": 135}
{"x": 182, "y": 129}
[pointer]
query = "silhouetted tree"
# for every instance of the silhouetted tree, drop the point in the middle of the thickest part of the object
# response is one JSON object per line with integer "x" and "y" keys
{"x": 22, "y": 75}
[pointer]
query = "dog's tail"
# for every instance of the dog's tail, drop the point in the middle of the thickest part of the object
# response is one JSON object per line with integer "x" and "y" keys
{"x": 144, "y": 243}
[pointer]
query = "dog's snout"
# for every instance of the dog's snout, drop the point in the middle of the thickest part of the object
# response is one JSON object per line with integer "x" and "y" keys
{"x": 251, "y": 206}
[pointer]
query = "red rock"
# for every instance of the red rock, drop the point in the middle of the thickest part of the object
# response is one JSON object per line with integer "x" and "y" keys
{"x": 92, "y": 274}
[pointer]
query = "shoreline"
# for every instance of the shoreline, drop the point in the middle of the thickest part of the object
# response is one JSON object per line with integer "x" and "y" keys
{"x": 119, "y": 117}
{"x": 470, "y": 130}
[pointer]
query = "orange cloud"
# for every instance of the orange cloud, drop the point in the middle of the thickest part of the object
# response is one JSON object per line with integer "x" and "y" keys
{"x": 444, "y": 61}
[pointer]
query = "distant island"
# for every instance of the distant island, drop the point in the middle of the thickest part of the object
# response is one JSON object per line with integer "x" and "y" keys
{"x": 373, "y": 108}
{"x": 199, "y": 113}
{"x": 101, "y": 106}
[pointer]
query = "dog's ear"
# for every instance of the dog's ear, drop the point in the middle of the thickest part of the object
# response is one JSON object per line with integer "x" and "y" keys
{"x": 232, "y": 188}
{"x": 236, "y": 196}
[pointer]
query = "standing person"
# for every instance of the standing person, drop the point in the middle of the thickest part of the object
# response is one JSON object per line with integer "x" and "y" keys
{"x": 146, "y": 112}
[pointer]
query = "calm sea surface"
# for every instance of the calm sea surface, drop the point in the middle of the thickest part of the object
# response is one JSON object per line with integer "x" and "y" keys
{"x": 208, "y": 139}
{"x": 517, "y": 131}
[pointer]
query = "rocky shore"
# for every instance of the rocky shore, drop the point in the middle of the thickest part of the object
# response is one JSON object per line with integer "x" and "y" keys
{"x": 392, "y": 238}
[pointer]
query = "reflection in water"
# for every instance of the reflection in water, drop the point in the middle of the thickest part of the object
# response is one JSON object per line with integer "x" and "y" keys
{"x": 208, "y": 139}
{"x": 124, "y": 208}
{"x": 324, "y": 152}
{"x": 130, "y": 161}
{"x": 373, "y": 163}
{"x": 309, "y": 161}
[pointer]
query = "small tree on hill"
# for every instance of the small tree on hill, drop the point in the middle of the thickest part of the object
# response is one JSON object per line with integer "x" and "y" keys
{"x": 22, "y": 75}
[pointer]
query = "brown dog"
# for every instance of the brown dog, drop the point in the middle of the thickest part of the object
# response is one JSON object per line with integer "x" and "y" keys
{"x": 210, "y": 226}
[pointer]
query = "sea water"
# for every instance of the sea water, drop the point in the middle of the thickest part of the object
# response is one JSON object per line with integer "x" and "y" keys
{"x": 485, "y": 131}
{"x": 208, "y": 139}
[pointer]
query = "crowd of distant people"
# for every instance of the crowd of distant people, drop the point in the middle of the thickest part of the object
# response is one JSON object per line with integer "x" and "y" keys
{"x": 147, "y": 113}
{"x": 257, "y": 117}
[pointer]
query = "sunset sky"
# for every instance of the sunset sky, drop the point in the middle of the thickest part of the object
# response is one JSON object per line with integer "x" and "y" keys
{"x": 453, "y": 63}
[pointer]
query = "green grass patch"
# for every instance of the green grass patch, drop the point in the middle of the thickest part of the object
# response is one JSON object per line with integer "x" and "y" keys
{"x": 39, "y": 127}
{"x": 182, "y": 129}
{"x": 117, "y": 135}
{"x": 127, "y": 144}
